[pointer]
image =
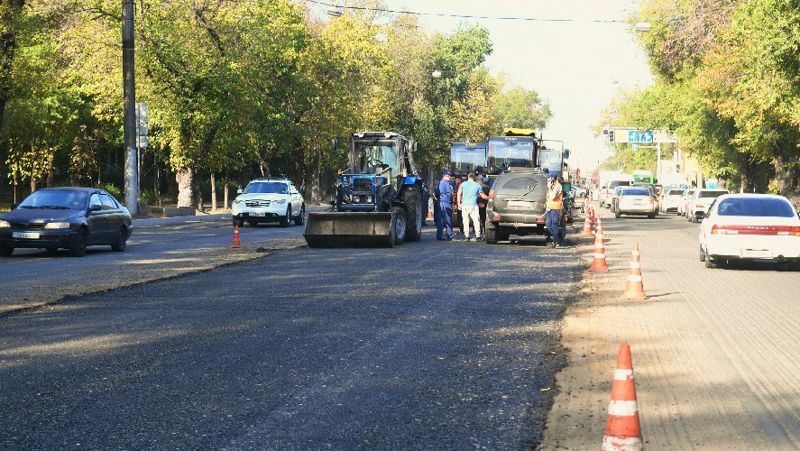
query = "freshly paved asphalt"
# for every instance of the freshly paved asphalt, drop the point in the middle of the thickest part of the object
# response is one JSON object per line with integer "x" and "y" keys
{"x": 427, "y": 345}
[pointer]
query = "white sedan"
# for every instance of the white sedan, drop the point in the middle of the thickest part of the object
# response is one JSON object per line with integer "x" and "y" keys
{"x": 754, "y": 227}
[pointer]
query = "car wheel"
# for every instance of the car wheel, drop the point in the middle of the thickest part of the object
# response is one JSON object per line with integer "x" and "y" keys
{"x": 286, "y": 220}
{"x": 51, "y": 250}
{"x": 709, "y": 263}
{"x": 78, "y": 249}
{"x": 617, "y": 214}
{"x": 702, "y": 254}
{"x": 6, "y": 251}
{"x": 491, "y": 235}
{"x": 122, "y": 240}
{"x": 238, "y": 223}
{"x": 302, "y": 217}
{"x": 651, "y": 216}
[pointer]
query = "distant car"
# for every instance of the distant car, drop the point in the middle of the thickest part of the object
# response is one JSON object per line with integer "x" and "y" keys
{"x": 685, "y": 199}
{"x": 615, "y": 197}
{"x": 757, "y": 227}
{"x": 671, "y": 200}
{"x": 703, "y": 198}
{"x": 66, "y": 218}
{"x": 607, "y": 192}
{"x": 636, "y": 201}
{"x": 578, "y": 191}
{"x": 517, "y": 204}
{"x": 269, "y": 200}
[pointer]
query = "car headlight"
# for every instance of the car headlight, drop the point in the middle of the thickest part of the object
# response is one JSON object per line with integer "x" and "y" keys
{"x": 237, "y": 201}
{"x": 56, "y": 225}
{"x": 280, "y": 201}
{"x": 4, "y": 224}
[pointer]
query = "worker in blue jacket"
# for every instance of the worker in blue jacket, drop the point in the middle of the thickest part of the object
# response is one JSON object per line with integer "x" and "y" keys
{"x": 445, "y": 208}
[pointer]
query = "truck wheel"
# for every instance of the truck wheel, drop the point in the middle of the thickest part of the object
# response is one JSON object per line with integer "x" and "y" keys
{"x": 6, "y": 251}
{"x": 413, "y": 200}
{"x": 399, "y": 226}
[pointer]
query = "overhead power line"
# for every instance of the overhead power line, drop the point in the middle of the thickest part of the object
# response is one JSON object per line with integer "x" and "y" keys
{"x": 461, "y": 16}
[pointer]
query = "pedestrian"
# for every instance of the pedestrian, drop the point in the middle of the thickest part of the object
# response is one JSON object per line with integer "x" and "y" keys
{"x": 435, "y": 199}
{"x": 555, "y": 204}
{"x": 468, "y": 194}
{"x": 482, "y": 202}
{"x": 445, "y": 223}
{"x": 458, "y": 215}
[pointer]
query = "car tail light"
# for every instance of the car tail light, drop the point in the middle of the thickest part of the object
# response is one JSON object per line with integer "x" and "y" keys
{"x": 491, "y": 194}
{"x": 755, "y": 230}
{"x": 700, "y": 206}
{"x": 496, "y": 218}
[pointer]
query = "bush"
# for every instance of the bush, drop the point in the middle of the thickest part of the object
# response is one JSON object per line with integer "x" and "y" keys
{"x": 150, "y": 197}
{"x": 113, "y": 190}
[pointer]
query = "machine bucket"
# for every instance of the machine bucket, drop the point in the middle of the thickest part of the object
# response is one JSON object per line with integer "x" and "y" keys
{"x": 349, "y": 229}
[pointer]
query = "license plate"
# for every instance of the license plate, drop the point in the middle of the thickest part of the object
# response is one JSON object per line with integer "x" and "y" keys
{"x": 520, "y": 204}
{"x": 756, "y": 253}
{"x": 258, "y": 214}
{"x": 26, "y": 235}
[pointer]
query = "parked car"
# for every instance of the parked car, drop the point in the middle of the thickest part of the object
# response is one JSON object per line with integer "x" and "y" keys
{"x": 703, "y": 198}
{"x": 66, "y": 218}
{"x": 636, "y": 201}
{"x": 671, "y": 200}
{"x": 757, "y": 227}
{"x": 517, "y": 204}
{"x": 685, "y": 199}
{"x": 269, "y": 200}
{"x": 578, "y": 192}
{"x": 615, "y": 197}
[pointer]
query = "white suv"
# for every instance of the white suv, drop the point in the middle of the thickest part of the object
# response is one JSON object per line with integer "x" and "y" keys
{"x": 269, "y": 200}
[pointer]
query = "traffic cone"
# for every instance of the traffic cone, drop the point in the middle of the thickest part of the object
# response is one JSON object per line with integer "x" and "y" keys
{"x": 236, "y": 242}
{"x": 430, "y": 210}
{"x": 634, "y": 288}
{"x": 622, "y": 427}
{"x": 587, "y": 225}
{"x": 599, "y": 263}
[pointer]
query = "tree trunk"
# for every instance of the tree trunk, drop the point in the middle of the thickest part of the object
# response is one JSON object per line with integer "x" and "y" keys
{"x": 225, "y": 191}
{"x": 264, "y": 168}
{"x": 185, "y": 179}
{"x": 213, "y": 192}
{"x": 33, "y": 184}
{"x": 785, "y": 175}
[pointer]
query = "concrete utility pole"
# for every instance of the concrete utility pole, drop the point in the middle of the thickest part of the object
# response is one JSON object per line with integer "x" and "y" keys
{"x": 129, "y": 107}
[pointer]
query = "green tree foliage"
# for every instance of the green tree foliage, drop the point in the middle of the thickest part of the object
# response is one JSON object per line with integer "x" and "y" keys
{"x": 236, "y": 89}
{"x": 727, "y": 82}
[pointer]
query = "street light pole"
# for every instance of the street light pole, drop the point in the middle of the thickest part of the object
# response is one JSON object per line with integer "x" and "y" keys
{"x": 129, "y": 109}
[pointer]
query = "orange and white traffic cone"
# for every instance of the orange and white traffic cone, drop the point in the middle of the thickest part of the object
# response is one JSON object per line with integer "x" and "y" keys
{"x": 599, "y": 263}
{"x": 598, "y": 227}
{"x": 587, "y": 225}
{"x": 634, "y": 288}
{"x": 430, "y": 210}
{"x": 236, "y": 241}
{"x": 622, "y": 427}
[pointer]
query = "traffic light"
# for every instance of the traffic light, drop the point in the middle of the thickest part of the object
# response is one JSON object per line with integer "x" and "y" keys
{"x": 611, "y": 136}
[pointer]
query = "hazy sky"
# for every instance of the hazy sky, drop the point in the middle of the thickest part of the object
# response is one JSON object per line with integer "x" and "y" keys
{"x": 577, "y": 66}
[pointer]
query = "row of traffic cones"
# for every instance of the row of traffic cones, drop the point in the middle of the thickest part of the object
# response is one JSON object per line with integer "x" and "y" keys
{"x": 623, "y": 432}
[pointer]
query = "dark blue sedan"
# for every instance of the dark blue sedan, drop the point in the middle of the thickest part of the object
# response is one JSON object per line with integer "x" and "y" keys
{"x": 65, "y": 218}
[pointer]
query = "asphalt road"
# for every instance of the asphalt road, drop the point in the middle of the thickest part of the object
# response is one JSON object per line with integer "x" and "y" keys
{"x": 427, "y": 345}
{"x": 714, "y": 350}
{"x": 32, "y": 276}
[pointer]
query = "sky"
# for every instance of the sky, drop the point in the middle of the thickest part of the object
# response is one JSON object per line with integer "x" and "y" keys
{"x": 577, "y": 66}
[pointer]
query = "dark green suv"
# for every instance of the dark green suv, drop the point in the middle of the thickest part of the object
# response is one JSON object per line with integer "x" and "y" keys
{"x": 517, "y": 205}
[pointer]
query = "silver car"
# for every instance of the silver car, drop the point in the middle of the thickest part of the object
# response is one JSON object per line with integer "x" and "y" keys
{"x": 636, "y": 201}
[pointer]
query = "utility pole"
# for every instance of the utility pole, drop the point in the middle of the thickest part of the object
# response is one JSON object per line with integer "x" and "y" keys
{"x": 129, "y": 107}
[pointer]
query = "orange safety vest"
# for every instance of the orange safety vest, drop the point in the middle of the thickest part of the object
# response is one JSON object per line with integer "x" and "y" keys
{"x": 554, "y": 199}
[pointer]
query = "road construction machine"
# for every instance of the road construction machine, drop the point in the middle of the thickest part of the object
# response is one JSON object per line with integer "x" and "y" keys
{"x": 380, "y": 197}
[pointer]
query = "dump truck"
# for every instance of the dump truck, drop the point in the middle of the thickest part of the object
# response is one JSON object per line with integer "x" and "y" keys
{"x": 467, "y": 158}
{"x": 516, "y": 148}
{"x": 380, "y": 197}
{"x": 551, "y": 157}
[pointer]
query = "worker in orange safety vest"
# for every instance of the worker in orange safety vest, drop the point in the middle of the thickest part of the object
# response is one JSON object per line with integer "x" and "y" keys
{"x": 555, "y": 203}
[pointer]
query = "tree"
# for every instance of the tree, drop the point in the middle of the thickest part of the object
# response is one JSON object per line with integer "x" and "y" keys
{"x": 522, "y": 108}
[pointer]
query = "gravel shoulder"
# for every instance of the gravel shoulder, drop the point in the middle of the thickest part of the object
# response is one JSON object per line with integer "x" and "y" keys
{"x": 714, "y": 351}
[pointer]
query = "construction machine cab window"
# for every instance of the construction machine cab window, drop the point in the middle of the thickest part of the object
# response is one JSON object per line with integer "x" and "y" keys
{"x": 506, "y": 152}
{"x": 466, "y": 159}
{"x": 376, "y": 157}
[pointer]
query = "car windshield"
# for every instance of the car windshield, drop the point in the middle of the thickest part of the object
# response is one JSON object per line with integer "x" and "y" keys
{"x": 636, "y": 192}
{"x": 617, "y": 183}
{"x": 763, "y": 207}
{"x": 60, "y": 199}
{"x": 711, "y": 194}
{"x": 519, "y": 184}
{"x": 267, "y": 188}
{"x": 508, "y": 152}
{"x": 675, "y": 192}
{"x": 550, "y": 159}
